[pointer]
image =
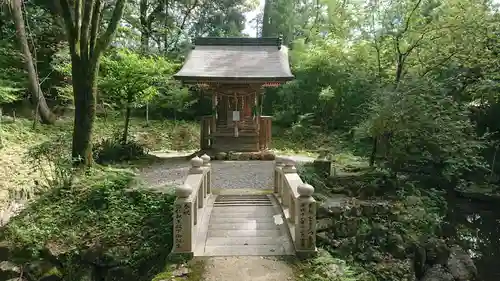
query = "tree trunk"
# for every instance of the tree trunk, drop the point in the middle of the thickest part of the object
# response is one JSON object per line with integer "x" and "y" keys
{"x": 130, "y": 97}
{"x": 84, "y": 82}
{"x": 266, "y": 19}
{"x": 145, "y": 30}
{"x": 147, "y": 113}
{"x": 165, "y": 32}
{"x": 42, "y": 108}
{"x": 144, "y": 42}
{"x": 373, "y": 155}
{"x": 1, "y": 129}
{"x": 86, "y": 46}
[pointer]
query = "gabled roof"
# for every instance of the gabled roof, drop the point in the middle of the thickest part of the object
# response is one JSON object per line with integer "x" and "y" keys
{"x": 236, "y": 60}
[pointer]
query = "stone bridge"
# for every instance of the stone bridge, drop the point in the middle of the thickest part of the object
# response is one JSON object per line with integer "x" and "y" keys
{"x": 278, "y": 222}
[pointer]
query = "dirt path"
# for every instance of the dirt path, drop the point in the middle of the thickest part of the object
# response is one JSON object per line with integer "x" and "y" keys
{"x": 247, "y": 269}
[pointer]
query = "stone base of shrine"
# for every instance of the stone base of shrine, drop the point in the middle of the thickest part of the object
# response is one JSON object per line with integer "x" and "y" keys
{"x": 265, "y": 155}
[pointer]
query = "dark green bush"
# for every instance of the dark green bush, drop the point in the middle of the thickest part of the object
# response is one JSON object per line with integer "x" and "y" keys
{"x": 113, "y": 150}
{"x": 99, "y": 225}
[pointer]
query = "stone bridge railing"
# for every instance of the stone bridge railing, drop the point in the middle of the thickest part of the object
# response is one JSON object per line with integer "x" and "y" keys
{"x": 190, "y": 201}
{"x": 298, "y": 206}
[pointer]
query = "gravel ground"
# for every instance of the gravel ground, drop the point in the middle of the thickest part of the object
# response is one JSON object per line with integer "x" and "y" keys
{"x": 243, "y": 174}
{"x": 247, "y": 269}
{"x": 226, "y": 174}
{"x": 170, "y": 172}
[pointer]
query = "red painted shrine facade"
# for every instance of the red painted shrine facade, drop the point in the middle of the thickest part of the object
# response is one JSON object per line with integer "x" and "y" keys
{"x": 234, "y": 72}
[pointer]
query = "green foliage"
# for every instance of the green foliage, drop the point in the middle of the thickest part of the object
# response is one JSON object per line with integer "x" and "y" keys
{"x": 326, "y": 267}
{"x": 127, "y": 73}
{"x": 113, "y": 150}
{"x": 424, "y": 132}
{"x": 329, "y": 85}
{"x": 100, "y": 218}
{"x": 11, "y": 76}
{"x": 57, "y": 170}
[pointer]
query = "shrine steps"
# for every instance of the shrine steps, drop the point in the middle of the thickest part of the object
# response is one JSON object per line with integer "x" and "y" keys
{"x": 246, "y": 225}
{"x": 244, "y": 142}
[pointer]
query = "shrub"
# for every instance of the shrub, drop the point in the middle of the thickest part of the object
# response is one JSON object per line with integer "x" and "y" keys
{"x": 51, "y": 159}
{"x": 423, "y": 132}
{"x": 112, "y": 150}
{"x": 99, "y": 224}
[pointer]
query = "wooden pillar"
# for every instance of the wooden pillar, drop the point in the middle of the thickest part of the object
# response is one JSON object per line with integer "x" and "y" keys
{"x": 236, "y": 129}
{"x": 214, "y": 113}
{"x": 257, "y": 114}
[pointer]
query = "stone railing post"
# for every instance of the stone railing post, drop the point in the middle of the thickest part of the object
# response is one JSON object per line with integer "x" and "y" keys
{"x": 305, "y": 229}
{"x": 278, "y": 179}
{"x": 197, "y": 168}
{"x": 208, "y": 179}
{"x": 289, "y": 168}
{"x": 183, "y": 221}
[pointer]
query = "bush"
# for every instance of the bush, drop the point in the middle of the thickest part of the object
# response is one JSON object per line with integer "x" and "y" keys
{"x": 423, "y": 132}
{"x": 51, "y": 159}
{"x": 97, "y": 225}
{"x": 326, "y": 267}
{"x": 113, "y": 150}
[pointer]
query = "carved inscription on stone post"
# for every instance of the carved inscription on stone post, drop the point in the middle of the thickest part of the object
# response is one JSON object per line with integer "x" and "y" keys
{"x": 302, "y": 224}
{"x": 182, "y": 227}
{"x": 312, "y": 225}
{"x": 305, "y": 234}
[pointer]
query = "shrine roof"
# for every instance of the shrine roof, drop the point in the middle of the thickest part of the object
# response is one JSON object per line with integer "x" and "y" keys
{"x": 236, "y": 60}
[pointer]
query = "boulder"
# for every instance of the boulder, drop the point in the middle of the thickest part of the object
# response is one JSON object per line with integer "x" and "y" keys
{"x": 332, "y": 206}
{"x": 395, "y": 245}
{"x": 5, "y": 251}
{"x": 254, "y": 156}
{"x": 9, "y": 270}
{"x": 220, "y": 156}
{"x": 50, "y": 278}
{"x": 324, "y": 224}
{"x": 245, "y": 156}
{"x": 234, "y": 156}
{"x": 437, "y": 273}
{"x": 323, "y": 167}
{"x": 339, "y": 203}
{"x": 267, "y": 156}
{"x": 121, "y": 273}
{"x": 460, "y": 265}
{"x": 43, "y": 268}
{"x": 436, "y": 251}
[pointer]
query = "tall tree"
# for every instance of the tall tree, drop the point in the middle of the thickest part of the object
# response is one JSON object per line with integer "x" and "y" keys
{"x": 83, "y": 24}
{"x": 146, "y": 20}
{"x": 42, "y": 109}
{"x": 278, "y": 19}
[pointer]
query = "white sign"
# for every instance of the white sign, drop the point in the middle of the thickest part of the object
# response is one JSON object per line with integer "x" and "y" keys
{"x": 236, "y": 116}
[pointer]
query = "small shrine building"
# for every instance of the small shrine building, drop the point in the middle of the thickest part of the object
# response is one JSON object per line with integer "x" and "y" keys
{"x": 234, "y": 72}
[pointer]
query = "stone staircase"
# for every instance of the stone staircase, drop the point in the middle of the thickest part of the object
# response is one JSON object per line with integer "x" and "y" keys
{"x": 247, "y": 225}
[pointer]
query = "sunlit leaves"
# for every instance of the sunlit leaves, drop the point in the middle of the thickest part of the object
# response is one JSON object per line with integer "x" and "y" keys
{"x": 127, "y": 72}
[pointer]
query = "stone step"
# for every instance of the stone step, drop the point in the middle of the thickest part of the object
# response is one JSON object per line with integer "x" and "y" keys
{"x": 257, "y": 211}
{"x": 225, "y": 200}
{"x": 244, "y": 226}
{"x": 242, "y": 201}
{"x": 250, "y": 250}
{"x": 230, "y": 200}
{"x": 241, "y": 197}
{"x": 215, "y": 219}
{"x": 239, "y": 214}
{"x": 244, "y": 241}
{"x": 243, "y": 233}
{"x": 243, "y": 204}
